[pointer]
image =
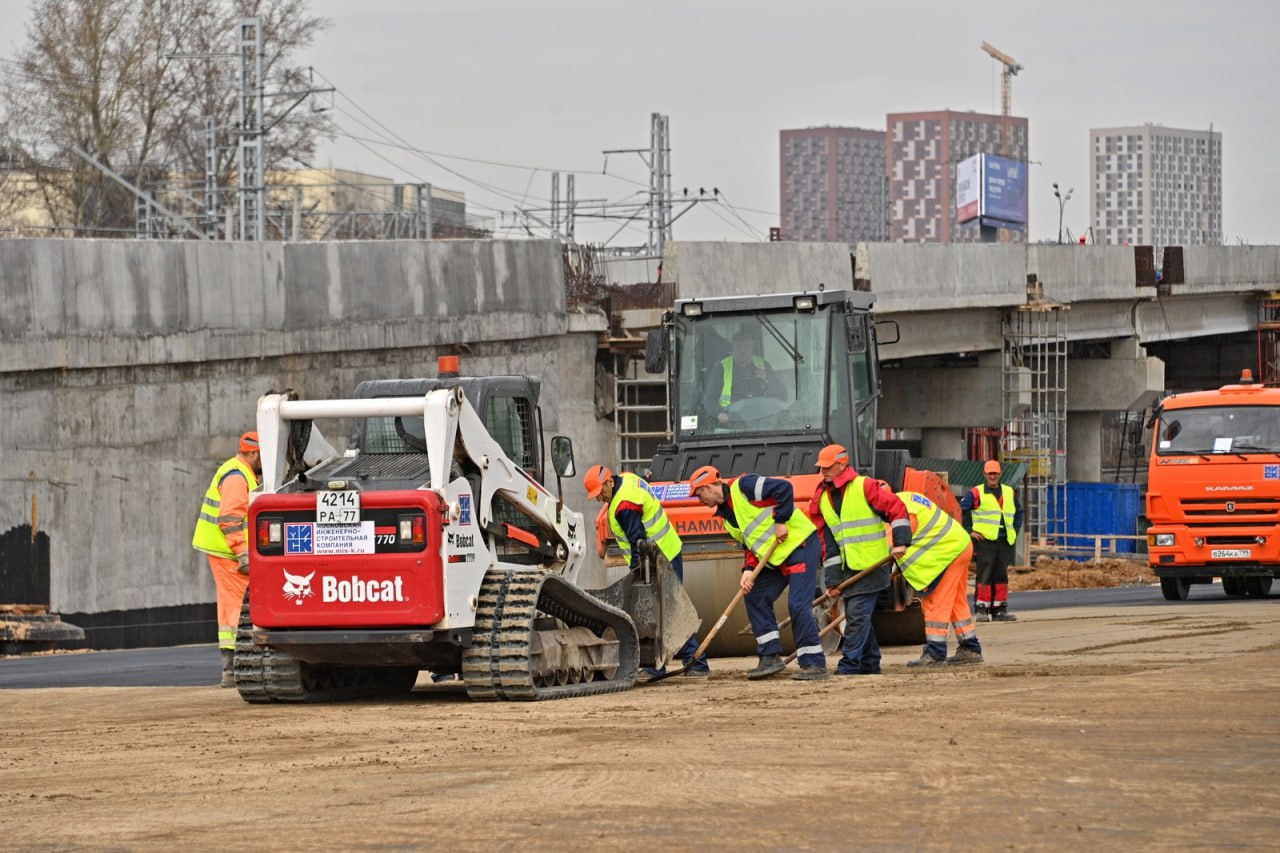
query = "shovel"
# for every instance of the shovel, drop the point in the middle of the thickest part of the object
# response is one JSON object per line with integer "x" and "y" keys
{"x": 715, "y": 629}
{"x": 844, "y": 584}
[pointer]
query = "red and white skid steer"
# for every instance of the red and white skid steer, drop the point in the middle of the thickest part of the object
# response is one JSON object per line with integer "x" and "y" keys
{"x": 432, "y": 545}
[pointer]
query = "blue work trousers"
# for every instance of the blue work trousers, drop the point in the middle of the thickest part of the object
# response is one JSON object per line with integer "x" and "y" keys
{"x": 801, "y": 589}
{"x": 861, "y": 649}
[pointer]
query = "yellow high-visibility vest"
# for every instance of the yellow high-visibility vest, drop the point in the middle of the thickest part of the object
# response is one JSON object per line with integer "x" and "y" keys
{"x": 208, "y": 536}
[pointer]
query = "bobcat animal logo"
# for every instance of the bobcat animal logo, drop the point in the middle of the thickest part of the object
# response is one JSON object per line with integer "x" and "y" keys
{"x": 297, "y": 587}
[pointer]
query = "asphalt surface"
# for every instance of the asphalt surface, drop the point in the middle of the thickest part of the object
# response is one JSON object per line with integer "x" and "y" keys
{"x": 199, "y": 665}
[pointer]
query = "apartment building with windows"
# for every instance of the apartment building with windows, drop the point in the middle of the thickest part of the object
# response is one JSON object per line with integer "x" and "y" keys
{"x": 1155, "y": 186}
{"x": 832, "y": 185}
{"x": 922, "y": 150}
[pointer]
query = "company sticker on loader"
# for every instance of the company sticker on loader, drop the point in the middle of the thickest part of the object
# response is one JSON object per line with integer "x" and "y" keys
{"x": 310, "y": 538}
{"x": 1271, "y": 472}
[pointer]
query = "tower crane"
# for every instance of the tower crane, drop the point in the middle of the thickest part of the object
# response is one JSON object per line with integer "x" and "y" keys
{"x": 1011, "y": 67}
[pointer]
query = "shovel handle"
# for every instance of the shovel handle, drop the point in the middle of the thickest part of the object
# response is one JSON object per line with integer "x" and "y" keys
{"x": 843, "y": 585}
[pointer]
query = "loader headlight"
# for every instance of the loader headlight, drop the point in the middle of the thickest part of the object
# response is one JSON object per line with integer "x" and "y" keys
{"x": 691, "y": 309}
{"x": 803, "y": 303}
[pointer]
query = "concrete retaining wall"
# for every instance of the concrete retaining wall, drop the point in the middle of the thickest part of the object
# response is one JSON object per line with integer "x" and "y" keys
{"x": 128, "y": 369}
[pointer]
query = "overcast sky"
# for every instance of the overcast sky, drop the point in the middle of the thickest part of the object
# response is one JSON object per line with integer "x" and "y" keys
{"x": 549, "y": 84}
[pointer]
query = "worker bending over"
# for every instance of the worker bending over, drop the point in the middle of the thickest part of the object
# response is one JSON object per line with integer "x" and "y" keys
{"x": 761, "y": 515}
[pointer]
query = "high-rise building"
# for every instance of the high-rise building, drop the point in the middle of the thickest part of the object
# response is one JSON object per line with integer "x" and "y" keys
{"x": 1155, "y": 186}
{"x": 922, "y": 152}
{"x": 833, "y": 185}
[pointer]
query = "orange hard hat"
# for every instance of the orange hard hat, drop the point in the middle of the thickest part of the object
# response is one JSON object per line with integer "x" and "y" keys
{"x": 704, "y": 476}
{"x": 594, "y": 480}
{"x": 831, "y": 454}
{"x": 992, "y": 467}
{"x": 248, "y": 442}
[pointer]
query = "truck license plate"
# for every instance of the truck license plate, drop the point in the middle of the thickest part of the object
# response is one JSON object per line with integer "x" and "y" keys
{"x": 1230, "y": 553}
{"x": 337, "y": 507}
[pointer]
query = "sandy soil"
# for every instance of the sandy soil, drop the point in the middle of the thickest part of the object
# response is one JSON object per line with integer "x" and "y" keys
{"x": 1122, "y": 728}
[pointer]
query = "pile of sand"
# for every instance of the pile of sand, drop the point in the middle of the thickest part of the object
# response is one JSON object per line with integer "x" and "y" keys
{"x": 1050, "y": 573}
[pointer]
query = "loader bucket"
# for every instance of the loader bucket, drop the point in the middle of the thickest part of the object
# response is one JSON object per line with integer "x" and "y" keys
{"x": 662, "y": 611}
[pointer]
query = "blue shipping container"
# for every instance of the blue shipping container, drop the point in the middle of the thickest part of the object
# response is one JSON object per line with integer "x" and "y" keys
{"x": 1097, "y": 508}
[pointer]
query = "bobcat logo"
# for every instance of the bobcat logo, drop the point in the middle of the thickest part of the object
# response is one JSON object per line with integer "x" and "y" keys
{"x": 298, "y": 587}
{"x": 572, "y": 530}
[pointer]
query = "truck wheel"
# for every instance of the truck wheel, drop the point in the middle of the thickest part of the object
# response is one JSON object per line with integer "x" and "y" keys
{"x": 1175, "y": 589}
{"x": 1257, "y": 587}
{"x": 1234, "y": 587}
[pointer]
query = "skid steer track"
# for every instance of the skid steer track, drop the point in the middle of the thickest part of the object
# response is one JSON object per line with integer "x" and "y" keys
{"x": 499, "y": 663}
{"x": 263, "y": 675}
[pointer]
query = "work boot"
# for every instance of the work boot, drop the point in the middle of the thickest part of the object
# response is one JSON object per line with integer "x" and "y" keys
{"x": 981, "y": 614}
{"x": 769, "y": 665}
{"x": 811, "y": 673}
{"x": 1003, "y": 615}
{"x": 926, "y": 659}
{"x": 228, "y": 667}
{"x": 965, "y": 655}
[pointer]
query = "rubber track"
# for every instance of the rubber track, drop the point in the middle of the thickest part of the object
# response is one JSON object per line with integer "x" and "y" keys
{"x": 497, "y": 665}
{"x": 266, "y": 675}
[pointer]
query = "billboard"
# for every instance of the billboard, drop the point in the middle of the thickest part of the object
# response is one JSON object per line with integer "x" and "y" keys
{"x": 993, "y": 189}
{"x": 1004, "y": 193}
{"x": 968, "y": 189}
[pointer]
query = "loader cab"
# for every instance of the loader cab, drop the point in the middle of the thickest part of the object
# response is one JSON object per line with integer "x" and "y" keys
{"x": 508, "y": 405}
{"x": 761, "y": 383}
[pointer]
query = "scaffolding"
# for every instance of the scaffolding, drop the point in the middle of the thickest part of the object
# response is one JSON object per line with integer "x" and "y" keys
{"x": 1034, "y": 412}
{"x": 1269, "y": 339}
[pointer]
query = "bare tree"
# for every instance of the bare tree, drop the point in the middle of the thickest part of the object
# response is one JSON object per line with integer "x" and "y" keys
{"x": 130, "y": 82}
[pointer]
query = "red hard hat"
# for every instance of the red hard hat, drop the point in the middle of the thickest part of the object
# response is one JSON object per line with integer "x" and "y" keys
{"x": 704, "y": 476}
{"x": 248, "y": 442}
{"x": 831, "y": 454}
{"x": 595, "y": 478}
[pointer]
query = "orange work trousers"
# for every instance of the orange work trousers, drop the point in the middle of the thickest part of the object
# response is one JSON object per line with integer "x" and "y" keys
{"x": 947, "y": 607}
{"x": 231, "y": 589}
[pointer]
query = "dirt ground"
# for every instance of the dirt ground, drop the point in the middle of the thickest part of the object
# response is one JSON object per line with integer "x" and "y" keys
{"x": 1107, "y": 728}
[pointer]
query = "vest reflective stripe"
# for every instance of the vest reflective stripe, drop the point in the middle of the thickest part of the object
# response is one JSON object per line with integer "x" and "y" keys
{"x": 757, "y": 532}
{"x": 858, "y": 531}
{"x": 936, "y": 542}
{"x": 726, "y": 368}
{"x": 652, "y": 516}
{"x": 208, "y": 536}
{"x": 987, "y": 514}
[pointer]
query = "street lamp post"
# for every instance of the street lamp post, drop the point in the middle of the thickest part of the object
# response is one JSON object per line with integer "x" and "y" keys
{"x": 1062, "y": 202}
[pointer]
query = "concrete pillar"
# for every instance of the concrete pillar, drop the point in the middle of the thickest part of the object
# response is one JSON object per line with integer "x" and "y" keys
{"x": 942, "y": 443}
{"x": 1084, "y": 446}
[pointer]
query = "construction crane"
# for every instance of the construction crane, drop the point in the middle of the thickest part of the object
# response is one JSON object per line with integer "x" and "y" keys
{"x": 1011, "y": 67}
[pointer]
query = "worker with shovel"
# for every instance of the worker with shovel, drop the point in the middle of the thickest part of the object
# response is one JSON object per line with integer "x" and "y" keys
{"x": 635, "y": 515}
{"x": 760, "y": 513}
{"x": 850, "y": 511}
{"x": 936, "y": 566}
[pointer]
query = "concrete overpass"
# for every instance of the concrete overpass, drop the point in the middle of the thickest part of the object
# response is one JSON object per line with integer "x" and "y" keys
{"x": 128, "y": 368}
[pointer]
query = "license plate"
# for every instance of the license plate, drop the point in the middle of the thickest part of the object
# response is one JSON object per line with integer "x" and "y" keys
{"x": 337, "y": 507}
{"x": 1230, "y": 553}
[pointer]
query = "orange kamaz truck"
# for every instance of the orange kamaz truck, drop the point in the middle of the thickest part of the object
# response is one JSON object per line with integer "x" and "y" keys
{"x": 1213, "y": 490}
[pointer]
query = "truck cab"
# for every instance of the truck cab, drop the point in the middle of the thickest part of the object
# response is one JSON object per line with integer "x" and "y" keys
{"x": 1213, "y": 489}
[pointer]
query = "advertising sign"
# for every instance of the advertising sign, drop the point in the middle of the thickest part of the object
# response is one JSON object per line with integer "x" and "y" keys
{"x": 1004, "y": 192}
{"x": 968, "y": 189}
